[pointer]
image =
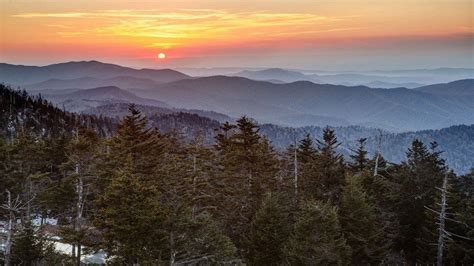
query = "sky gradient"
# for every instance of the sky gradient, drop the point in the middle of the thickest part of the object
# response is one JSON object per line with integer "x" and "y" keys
{"x": 332, "y": 34}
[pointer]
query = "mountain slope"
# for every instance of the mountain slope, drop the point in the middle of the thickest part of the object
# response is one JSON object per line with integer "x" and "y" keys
{"x": 274, "y": 74}
{"x": 22, "y": 75}
{"x": 81, "y": 100}
{"x": 463, "y": 87}
{"x": 19, "y": 111}
{"x": 395, "y": 109}
{"x": 125, "y": 82}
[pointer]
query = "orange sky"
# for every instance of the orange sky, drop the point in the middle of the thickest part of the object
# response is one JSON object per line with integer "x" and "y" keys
{"x": 231, "y": 33}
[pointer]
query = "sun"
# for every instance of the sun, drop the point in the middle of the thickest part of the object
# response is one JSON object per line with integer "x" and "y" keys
{"x": 161, "y": 56}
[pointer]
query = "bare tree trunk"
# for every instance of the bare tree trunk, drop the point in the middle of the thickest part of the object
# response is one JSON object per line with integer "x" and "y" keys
{"x": 376, "y": 166}
{"x": 377, "y": 152}
{"x": 79, "y": 208}
{"x": 296, "y": 171}
{"x": 442, "y": 221}
{"x": 194, "y": 186}
{"x": 8, "y": 244}
{"x": 172, "y": 251}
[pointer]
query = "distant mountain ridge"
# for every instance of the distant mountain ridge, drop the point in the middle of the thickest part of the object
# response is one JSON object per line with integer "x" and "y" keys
{"x": 124, "y": 82}
{"x": 460, "y": 87}
{"x": 276, "y": 101}
{"x": 80, "y": 100}
{"x": 457, "y": 142}
{"x": 395, "y": 109}
{"x": 22, "y": 75}
{"x": 274, "y": 74}
{"x": 373, "y": 79}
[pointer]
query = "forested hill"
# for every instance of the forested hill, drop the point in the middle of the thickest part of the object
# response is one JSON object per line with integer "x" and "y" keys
{"x": 20, "y": 111}
{"x": 139, "y": 195}
{"x": 457, "y": 142}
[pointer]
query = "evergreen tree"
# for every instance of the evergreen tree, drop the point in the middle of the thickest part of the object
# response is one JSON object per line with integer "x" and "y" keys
{"x": 246, "y": 170}
{"x": 269, "y": 231}
{"x": 30, "y": 247}
{"x": 460, "y": 223}
{"x": 306, "y": 150}
{"x": 131, "y": 219}
{"x": 416, "y": 181}
{"x": 359, "y": 158}
{"x": 133, "y": 141}
{"x": 327, "y": 174}
{"x": 317, "y": 238}
{"x": 361, "y": 226}
{"x": 80, "y": 169}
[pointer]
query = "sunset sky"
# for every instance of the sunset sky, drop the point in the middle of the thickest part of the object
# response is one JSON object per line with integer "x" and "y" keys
{"x": 332, "y": 34}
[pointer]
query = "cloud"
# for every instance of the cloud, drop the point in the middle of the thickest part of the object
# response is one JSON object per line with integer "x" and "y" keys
{"x": 51, "y": 15}
{"x": 173, "y": 27}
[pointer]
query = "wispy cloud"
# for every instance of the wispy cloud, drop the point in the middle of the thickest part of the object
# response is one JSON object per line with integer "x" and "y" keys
{"x": 51, "y": 15}
{"x": 172, "y": 28}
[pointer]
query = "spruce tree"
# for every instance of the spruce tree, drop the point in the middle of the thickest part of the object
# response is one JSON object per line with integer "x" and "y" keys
{"x": 269, "y": 231}
{"x": 415, "y": 188}
{"x": 246, "y": 170}
{"x": 317, "y": 238}
{"x": 359, "y": 157}
{"x": 134, "y": 141}
{"x": 306, "y": 150}
{"x": 80, "y": 169}
{"x": 30, "y": 247}
{"x": 327, "y": 173}
{"x": 361, "y": 226}
{"x": 131, "y": 220}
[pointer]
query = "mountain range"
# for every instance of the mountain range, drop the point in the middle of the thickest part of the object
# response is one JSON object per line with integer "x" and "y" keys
{"x": 23, "y": 75}
{"x": 398, "y": 109}
{"x": 80, "y": 100}
{"x": 375, "y": 79}
{"x": 280, "y": 97}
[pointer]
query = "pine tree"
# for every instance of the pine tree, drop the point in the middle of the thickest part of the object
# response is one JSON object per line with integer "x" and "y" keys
{"x": 200, "y": 164}
{"x": 30, "y": 247}
{"x": 459, "y": 222}
{"x": 317, "y": 238}
{"x": 327, "y": 173}
{"x": 416, "y": 181}
{"x": 361, "y": 226}
{"x": 246, "y": 170}
{"x": 359, "y": 158}
{"x": 306, "y": 150}
{"x": 135, "y": 141}
{"x": 80, "y": 166}
{"x": 269, "y": 231}
{"x": 131, "y": 219}
{"x": 306, "y": 155}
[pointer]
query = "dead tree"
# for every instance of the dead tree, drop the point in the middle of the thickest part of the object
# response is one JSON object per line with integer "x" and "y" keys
{"x": 379, "y": 140}
{"x": 442, "y": 222}
{"x": 295, "y": 162}
{"x": 12, "y": 207}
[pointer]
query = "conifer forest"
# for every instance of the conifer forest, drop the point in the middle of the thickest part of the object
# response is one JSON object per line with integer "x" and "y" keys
{"x": 121, "y": 188}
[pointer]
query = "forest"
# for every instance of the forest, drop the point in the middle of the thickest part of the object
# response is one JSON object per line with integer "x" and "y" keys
{"x": 146, "y": 197}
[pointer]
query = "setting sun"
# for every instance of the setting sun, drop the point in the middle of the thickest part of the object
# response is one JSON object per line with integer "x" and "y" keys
{"x": 161, "y": 56}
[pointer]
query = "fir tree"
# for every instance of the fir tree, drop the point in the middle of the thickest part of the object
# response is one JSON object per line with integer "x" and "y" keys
{"x": 269, "y": 231}
{"x": 133, "y": 141}
{"x": 131, "y": 219}
{"x": 362, "y": 228}
{"x": 327, "y": 173}
{"x": 359, "y": 158}
{"x": 30, "y": 247}
{"x": 317, "y": 238}
{"x": 416, "y": 181}
{"x": 306, "y": 150}
{"x": 246, "y": 170}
